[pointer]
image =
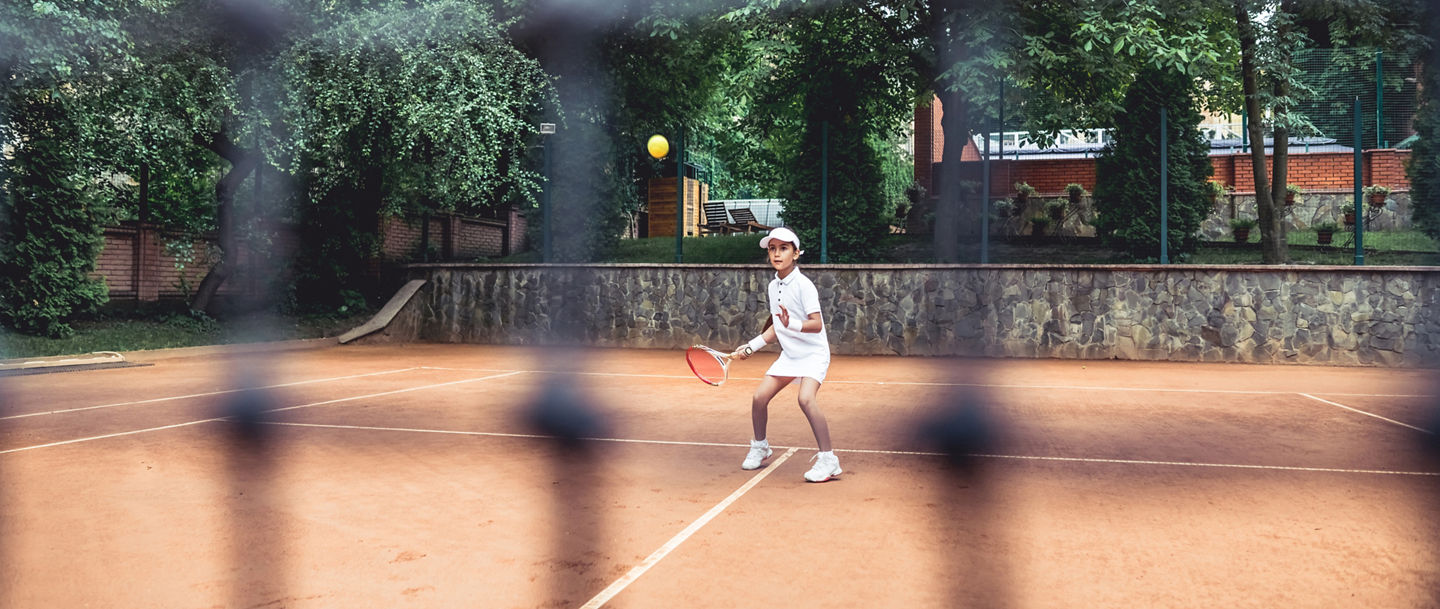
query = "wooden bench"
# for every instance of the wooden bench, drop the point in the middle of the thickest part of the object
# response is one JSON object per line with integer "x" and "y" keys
{"x": 745, "y": 220}
{"x": 715, "y": 220}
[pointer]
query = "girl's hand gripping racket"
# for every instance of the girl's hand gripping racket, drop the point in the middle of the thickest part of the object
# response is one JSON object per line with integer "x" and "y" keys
{"x": 710, "y": 365}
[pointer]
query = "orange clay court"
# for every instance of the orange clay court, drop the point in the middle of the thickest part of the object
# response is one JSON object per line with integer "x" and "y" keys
{"x": 412, "y": 476}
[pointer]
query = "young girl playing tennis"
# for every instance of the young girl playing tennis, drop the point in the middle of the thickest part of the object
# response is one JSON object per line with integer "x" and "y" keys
{"x": 804, "y": 353}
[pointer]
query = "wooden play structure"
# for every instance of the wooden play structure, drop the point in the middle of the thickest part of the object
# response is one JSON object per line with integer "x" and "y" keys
{"x": 661, "y": 205}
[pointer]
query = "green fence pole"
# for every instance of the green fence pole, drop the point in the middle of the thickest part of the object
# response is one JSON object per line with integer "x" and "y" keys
{"x": 1359, "y": 177}
{"x": 1002, "y": 118}
{"x": 680, "y": 195}
{"x": 1380, "y": 141}
{"x": 1164, "y": 191}
{"x": 546, "y": 203}
{"x": 985, "y": 203}
{"x": 824, "y": 192}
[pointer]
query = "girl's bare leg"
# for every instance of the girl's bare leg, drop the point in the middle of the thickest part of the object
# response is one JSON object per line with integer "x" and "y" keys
{"x": 808, "y": 388}
{"x": 760, "y": 404}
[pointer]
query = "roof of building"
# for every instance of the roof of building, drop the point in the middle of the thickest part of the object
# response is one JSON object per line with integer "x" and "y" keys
{"x": 1217, "y": 147}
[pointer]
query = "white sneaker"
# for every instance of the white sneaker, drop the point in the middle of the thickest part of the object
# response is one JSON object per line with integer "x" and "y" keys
{"x": 759, "y": 452}
{"x": 827, "y": 466}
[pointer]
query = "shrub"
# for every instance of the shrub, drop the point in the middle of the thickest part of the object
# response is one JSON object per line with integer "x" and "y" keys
{"x": 1127, "y": 188}
{"x": 50, "y": 228}
{"x": 1424, "y": 166}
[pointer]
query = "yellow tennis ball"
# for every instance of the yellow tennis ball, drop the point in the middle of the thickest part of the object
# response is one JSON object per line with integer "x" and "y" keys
{"x": 658, "y": 146}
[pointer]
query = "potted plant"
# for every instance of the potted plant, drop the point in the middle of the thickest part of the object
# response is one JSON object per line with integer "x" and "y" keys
{"x": 1325, "y": 232}
{"x": 1037, "y": 226}
{"x": 1004, "y": 209}
{"x": 1022, "y": 193}
{"x": 1056, "y": 209}
{"x": 1076, "y": 193}
{"x": 1292, "y": 191}
{"x": 1242, "y": 228}
{"x": 1217, "y": 190}
{"x": 1349, "y": 216}
{"x": 1376, "y": 194}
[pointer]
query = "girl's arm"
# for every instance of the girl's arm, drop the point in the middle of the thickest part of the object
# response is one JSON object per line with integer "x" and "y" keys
{"x": 768, "y": 336}
{"x": 811, "y": 324}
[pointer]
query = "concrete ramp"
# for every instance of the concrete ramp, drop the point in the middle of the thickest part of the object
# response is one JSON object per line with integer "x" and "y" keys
{"x": 387, "y": 313}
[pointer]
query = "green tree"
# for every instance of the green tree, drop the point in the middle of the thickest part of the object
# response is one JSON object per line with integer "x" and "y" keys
{"x": 1128, "y": 170}
{"x": 52, "y": 229}
{"x": 401, "y": 112}
{"x": 1424, "y": 167}
{"x": 53, "y": 61}
{"x": 849, "y": 70}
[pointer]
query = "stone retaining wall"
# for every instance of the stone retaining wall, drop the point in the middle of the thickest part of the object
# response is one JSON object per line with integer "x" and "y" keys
{"x": 1382, "y": 316}
{"x": 1312, "y": 208}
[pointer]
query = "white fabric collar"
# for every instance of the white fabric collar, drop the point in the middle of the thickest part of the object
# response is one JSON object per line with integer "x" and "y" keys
{"x": 788, "y": 280}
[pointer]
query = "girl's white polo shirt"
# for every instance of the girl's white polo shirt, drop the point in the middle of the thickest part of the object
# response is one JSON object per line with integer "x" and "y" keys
{"x": 802, "y": 354}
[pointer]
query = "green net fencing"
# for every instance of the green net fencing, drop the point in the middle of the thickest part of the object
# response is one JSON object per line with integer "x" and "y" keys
{"x": 1386, "y": 86}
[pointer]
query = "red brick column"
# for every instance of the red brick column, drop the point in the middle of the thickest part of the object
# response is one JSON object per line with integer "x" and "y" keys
{"x": 147, "y": 260}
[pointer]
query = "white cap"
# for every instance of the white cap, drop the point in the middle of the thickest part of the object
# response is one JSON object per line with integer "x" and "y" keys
{"x": 781, "y": 234}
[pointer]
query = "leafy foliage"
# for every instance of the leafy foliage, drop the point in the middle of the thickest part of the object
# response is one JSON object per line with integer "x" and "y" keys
{"x": 1424, "y": 167}
{"x": 400, "y": 112}
{"x": 1076, "y": 60}
{"x": 53, "y": 61}
{"x": 1127, "y": 190}
{"x": 432, "y": 99}
{"x": 848, "y": 68}
{"x": 49, "y": 228}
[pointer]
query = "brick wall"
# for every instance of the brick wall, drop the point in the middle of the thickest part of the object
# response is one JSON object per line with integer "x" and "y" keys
{"x": 452, "y": 237}
{"x": 1324, "y": 171}
{"x": 929, "y": 142}
{"x": 116, "y": 264}
{"x": 136, "y": 264}
{"x": 1316, "y": 171}
{"x": 139, "y": 262}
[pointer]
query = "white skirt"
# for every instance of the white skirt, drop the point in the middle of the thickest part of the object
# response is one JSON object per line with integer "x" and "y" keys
{"x": 814, "y": 366}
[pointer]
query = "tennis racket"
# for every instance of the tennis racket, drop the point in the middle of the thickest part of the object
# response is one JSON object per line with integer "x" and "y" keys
{"x": 709, "y": 365}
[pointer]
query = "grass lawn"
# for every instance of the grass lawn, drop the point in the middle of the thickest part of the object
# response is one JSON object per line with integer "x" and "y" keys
{"x": 1406, "y": 248}
{"x": 152, "y": 331}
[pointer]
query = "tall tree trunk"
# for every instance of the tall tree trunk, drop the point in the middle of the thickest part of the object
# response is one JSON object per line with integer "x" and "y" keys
{"x": 242, "y": 163}
{"x": 1272, "y": 237}
{"x": 1265, "y": 207}
{"x": 955, "y": 127}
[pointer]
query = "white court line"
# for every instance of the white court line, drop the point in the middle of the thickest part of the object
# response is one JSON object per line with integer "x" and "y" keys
{"x": 979, "y": 385}
{"x": 1283, "y": 468}
{"x": 491, "y": 434}
{"x": 1368, "y": 414}
{"x": 215, "y": 419}
{"x": 635, "y": 572}
{"x": 201, "y": 395}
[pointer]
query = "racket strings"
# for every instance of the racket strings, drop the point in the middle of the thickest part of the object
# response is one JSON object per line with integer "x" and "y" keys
{"x": 706, "y": 365}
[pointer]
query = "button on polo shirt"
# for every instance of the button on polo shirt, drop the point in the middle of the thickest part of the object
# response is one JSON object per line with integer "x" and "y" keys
{"x": 800, "y": 298}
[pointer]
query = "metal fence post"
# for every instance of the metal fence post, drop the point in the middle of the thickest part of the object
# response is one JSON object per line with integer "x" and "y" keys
{"x": 1359, "y": 177}
{"x": 680, "y": 195}
{"x": 824, "y": 192}
{"x": 1164, "y": 191}
{"x": 1380, "y": 141}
